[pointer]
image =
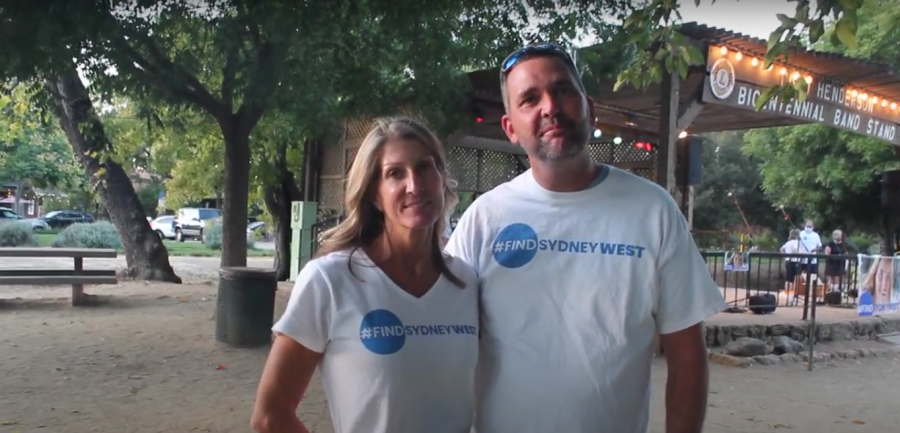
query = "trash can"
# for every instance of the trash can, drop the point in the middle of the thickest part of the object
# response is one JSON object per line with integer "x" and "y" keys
{"x": 245, "y": 308}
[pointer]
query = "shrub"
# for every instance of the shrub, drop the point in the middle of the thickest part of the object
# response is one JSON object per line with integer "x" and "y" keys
{"x": 212, "y": 236}
{"x": 101, "y": 234}
{"x": 17, "y": 234}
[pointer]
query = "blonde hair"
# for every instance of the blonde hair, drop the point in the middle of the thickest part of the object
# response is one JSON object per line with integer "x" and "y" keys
{"x": 794, "y": 234}
{"x": 837, "y": 233}
{"x": 364, "y": 222}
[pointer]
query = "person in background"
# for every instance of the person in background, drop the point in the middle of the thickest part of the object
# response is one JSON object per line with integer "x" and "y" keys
{"x": 581, "y": 265}
{"x": 792, "y": 246}
{"x": 390, "y": 321}
{"x": 810, "y": 243}
{"x": 835, "y": 268}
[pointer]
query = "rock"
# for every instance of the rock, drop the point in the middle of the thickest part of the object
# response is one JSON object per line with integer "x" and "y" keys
{"x": 767, "y": 360}
{"x": 783, "y": 344}
{"x": 730, "y": 361}
{"x": 746, "y": 347}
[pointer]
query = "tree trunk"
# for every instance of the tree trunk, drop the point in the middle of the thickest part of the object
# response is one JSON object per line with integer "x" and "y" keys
{"x": 278, "y": 197}
{"x": 237, "y": 187}
{"x": 145, "y": 254}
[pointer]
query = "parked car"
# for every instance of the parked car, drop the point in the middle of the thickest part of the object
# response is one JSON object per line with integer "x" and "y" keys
{"x": 60, "y": 219}
{"x": 190, "y": 221}
{"x": 163, "y": 226}
{"x": 7, "y": 215}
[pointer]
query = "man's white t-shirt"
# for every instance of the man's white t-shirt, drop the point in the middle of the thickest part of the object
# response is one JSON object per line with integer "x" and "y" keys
{"x": 810, "y": 242}
{"x": 573, "y": 288}
{"x": 392, "y": 363}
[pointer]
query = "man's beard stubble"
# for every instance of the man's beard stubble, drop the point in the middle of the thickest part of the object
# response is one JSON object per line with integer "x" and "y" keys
{"x": 574, "y": 145}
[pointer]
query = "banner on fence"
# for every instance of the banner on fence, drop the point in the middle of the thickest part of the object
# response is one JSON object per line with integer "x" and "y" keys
{"x": 737, "y": 261}
{"x": 879, "y": 285}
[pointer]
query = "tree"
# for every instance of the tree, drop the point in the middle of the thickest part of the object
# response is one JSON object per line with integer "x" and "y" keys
{"x": 32, "y": 152}
{"x": 826, "y": 172}
{"x": 727, "y": 170}
{"x": 657, "y": 47}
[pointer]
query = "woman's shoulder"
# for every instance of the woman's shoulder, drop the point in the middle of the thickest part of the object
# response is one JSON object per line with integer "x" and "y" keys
{"x": 338, "y": 263}
{"x": 461, "y": 269}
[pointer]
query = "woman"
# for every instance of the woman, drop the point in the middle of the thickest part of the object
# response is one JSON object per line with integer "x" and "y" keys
{"x": 389, "y": 320}
{"x": 792, "y": 246}
{"x": 834, "y": 268}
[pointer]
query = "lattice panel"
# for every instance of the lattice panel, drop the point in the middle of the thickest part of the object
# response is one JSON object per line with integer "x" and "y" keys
{"x": 496, "y": 168}
{"x": 629, "y": 153}
{"x": 332, "y": 160}
{"x": 645, "y": 173}
{"x": 331, "y": 194}
{"x": 600, "y": 152}
{"x": 463, "y": 166}
{"x": 357, "y": 128}
{"x": 350, "y": 155}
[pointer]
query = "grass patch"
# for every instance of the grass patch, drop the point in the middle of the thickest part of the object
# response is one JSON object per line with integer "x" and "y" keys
{"x": 192, "y": 249}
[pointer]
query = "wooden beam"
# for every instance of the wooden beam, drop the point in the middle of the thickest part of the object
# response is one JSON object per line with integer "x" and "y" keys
{"x": 689, "y": 111}
{"x": 58, "y": 252}
{"x": 668, "y": 131}
{"x": 59, "y": 280}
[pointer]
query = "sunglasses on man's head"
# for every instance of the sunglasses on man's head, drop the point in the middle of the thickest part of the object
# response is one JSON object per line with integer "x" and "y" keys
{"x": 539, "y": 49}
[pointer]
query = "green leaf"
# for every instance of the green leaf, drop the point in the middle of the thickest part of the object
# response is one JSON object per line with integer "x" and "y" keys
{"x": 816, "y": 30}
{"x": 845, "y": 30}
{"x": 682, "y": 68}
{"x": 786, "y": 21}
{"x": 696, "y": 56}
{"x": 774, "y": 38}
{"x": 766, "y": 96}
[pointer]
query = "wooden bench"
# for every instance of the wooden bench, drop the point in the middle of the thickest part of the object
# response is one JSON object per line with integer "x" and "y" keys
{"x": 77, "y": 277}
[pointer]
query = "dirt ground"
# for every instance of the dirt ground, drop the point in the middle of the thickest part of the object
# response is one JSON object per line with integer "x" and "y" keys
{"x": 145, "y": 360}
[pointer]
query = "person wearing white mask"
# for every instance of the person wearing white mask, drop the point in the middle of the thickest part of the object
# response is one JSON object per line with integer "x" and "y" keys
{"x": 810, "y": 243}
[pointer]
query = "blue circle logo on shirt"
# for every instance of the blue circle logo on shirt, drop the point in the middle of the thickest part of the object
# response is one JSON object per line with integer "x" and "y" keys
{"x": 515, "y": 245}
{"x": 382, "y": 332}
{"x": 866, "y": 304}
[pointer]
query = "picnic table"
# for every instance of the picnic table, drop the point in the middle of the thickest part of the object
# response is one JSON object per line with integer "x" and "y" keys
{"x": 77, "y": 277}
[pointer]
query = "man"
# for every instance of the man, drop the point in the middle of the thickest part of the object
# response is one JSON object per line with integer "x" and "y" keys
{"x": 810, "y": 243}
{"x": 581, "y": 264}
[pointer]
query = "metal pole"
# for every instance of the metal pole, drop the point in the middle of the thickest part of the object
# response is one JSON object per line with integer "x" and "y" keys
{"x": 812, "y": 331}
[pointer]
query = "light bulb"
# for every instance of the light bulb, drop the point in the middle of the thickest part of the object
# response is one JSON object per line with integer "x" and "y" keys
{"x": 754, "y": 62}
{"x": 854, "y": 93}
{"x": 809, "y": 79}
{"x": 884, "y": 102}
{"x": 783, "y": 71}
{"x": 893, "y": 105}
{"x": 795, "y": 76}
{"x": 617, "y": 140}
{"x": 682, "y": 134}
{"x": 598, "y": 133}
{"x": 738, "y": 56}
{"x": 874, "y": 99}
{"x": 864, "y": 96}
{"x": 723, "y": 51}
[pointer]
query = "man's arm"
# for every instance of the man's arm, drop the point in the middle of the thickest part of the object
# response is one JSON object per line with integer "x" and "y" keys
{"x": 686, "y": 296}
{"x": 688, "y": 379}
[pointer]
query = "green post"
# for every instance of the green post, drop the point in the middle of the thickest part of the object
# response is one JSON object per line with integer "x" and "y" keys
{"x": 303, "y": 218}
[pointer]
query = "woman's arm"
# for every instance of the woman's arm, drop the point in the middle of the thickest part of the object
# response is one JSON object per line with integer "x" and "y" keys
{"x": 288, "y": 370}
{"x": 827, "y": 251}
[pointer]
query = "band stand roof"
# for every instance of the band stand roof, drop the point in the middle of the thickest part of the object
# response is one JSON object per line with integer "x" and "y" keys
{"x": 634, "y": 114}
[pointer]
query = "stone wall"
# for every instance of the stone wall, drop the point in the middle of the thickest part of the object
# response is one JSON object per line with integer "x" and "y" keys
{"x": 857, "y": 329}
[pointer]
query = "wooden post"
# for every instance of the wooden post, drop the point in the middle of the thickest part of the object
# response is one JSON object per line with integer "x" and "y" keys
{"x": 78, "y": 289}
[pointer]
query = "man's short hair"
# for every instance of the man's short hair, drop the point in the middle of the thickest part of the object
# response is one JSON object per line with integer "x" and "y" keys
{"x": 533, "y": 51}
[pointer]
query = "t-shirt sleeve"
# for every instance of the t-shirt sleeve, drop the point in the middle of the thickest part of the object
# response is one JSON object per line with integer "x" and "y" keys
{"x": 307, "y": 318}
{"x": 686, "y": 293}
{"x": 462, "y": 241}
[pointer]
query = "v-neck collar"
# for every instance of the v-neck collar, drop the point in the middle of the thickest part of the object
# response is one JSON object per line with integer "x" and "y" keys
{"x": 393, "y": 286}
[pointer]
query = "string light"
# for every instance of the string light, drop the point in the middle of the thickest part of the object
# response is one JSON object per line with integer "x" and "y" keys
{"x": 796, "y": 75}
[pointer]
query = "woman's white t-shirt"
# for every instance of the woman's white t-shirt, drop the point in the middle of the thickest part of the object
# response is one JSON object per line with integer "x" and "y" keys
{"x": 392, "y": 363}
{"x": 791, "y": 247}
